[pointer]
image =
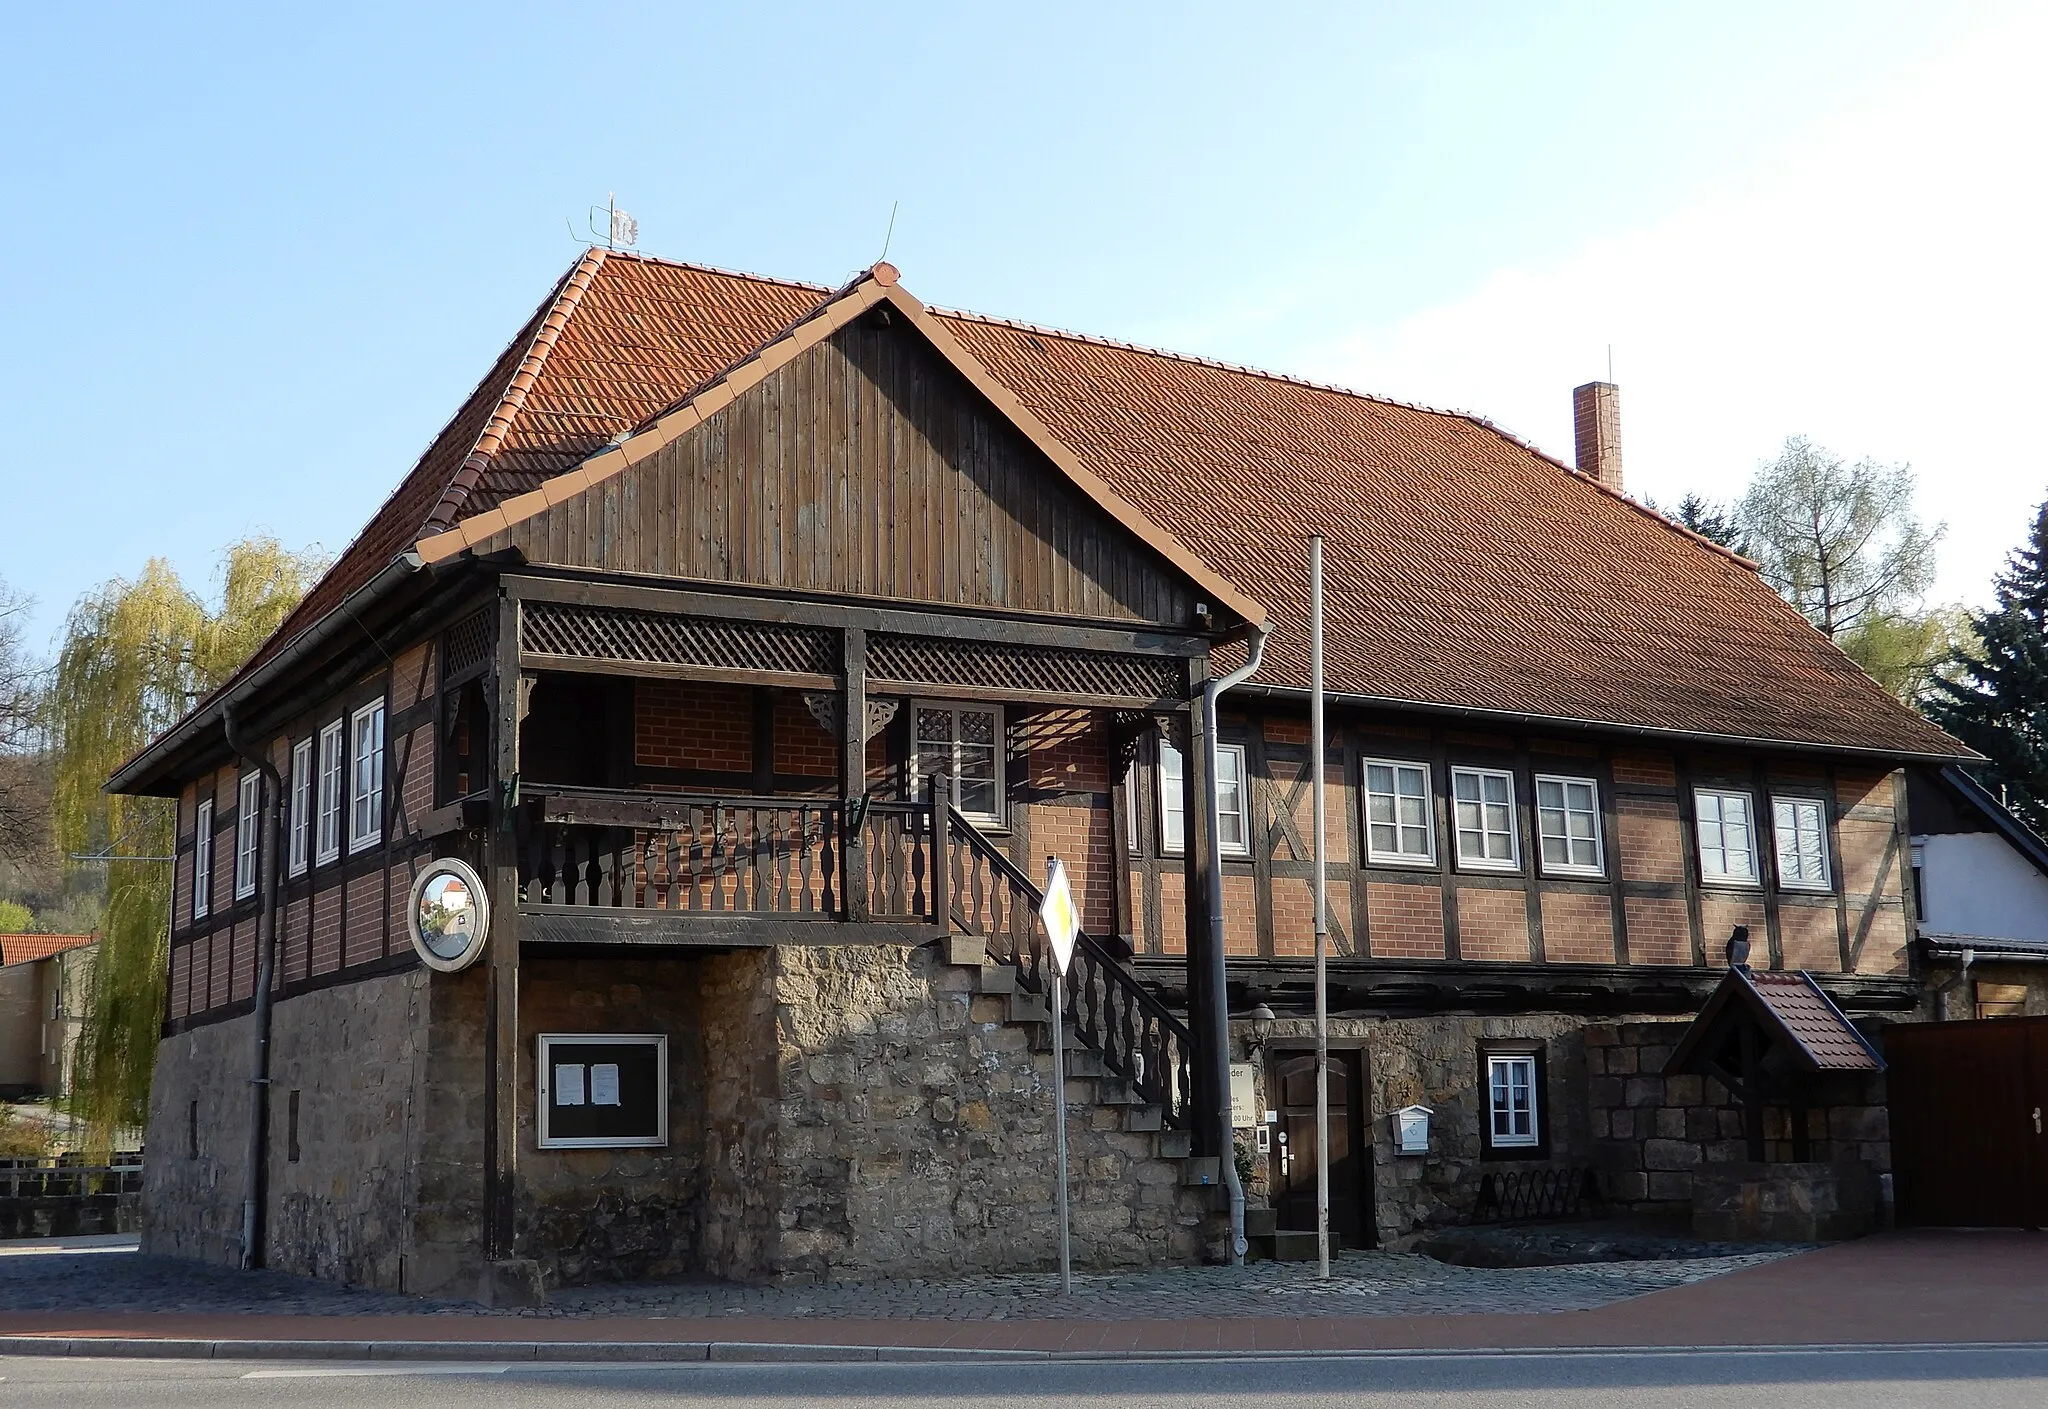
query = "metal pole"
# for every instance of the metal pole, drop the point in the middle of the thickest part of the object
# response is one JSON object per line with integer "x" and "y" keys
{"x": 1059, "y": 1105}
{"x": 1315, "y": 765}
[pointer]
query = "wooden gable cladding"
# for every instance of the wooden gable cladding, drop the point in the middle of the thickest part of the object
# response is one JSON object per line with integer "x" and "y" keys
{"x": 867, "y": 466}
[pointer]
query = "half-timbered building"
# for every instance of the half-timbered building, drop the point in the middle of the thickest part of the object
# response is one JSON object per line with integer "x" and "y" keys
{"x": 756, "y": 642}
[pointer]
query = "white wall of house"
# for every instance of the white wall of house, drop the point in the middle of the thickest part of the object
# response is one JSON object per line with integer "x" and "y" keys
{"x": 1975, "y": 883}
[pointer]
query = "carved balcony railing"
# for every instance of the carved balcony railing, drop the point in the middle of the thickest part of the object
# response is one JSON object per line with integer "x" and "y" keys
{"x": 704, "y": 853}
{"x": 897, "y": 837}
{"x": 1111, "y": 1012}
{"x": 725, "y": 855}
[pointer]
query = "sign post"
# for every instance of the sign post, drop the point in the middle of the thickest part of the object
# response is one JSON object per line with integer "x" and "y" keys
{"x": 1062, "y": 924}
{"x": 1322, "y": 898}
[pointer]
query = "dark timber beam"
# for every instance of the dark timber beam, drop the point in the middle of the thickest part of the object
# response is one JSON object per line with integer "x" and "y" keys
{"x": 853, "y": 763}
{"x": 963, "y": 623}
{"x": 1211, "y": 1066}
{"x": 501, "y": 968}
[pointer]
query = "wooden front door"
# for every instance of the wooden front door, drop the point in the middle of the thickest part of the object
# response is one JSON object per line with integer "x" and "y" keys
{"x": 1968, "y": 1107}
{"x": 1291, "y": 1168}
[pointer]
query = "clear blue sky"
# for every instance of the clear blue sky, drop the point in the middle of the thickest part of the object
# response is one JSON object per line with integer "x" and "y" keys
{"x": 258, "y": 254}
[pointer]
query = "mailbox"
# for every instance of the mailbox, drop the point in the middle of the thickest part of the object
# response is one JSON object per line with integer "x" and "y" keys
{"x": 1411, "y": 1130}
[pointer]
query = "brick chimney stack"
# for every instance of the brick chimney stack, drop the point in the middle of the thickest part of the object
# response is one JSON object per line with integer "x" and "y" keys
{"x": 1596, "y": 425}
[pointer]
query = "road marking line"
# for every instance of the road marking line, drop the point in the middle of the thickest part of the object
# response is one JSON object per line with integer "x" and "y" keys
{"x": 333, "y": 1372}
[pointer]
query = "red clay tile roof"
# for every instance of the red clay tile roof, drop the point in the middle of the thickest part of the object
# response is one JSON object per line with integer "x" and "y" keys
{"x": 620, "y": 338}
{"x": 1814, "y": 1023}
{"x": 27, "y": 948}
{"x": 1463, "y": 568}
{"x": 1466, "y": 569}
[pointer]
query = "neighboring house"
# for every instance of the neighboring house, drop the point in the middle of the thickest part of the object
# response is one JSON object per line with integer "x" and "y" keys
{"x": 44, "y": 982}
{"x": 1981, "y": 876}
{"x": 679, "y": 625}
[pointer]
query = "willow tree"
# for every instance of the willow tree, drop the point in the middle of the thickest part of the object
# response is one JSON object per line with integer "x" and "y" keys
{"x": 23, "y": 810}
{"x": 137, "y": 655}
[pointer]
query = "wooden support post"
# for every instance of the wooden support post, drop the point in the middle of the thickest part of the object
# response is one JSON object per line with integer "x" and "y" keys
{"x": 1211, "y": 1075}
{"x": 853, "y": 756}
{"x": 1752, "y": 1094}
{"x": 942, "y": 855}
{"x": 501, "y": 994}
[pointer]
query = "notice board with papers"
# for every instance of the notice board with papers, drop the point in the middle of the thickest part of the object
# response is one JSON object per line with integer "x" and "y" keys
{"x": 603, "y": 1089}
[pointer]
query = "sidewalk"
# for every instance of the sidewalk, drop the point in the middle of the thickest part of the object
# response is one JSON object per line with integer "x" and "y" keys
{"x": 1895, "y": 1289}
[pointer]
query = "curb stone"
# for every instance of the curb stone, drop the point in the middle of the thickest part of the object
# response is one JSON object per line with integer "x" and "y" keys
{"x": 780, "y": 1352}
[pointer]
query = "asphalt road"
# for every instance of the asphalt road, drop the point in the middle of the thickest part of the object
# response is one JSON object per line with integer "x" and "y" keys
{"x": 1868, "y": 1379}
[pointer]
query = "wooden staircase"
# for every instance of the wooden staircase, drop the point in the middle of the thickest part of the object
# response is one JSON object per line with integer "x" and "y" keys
{"x": 1124, "y": 1048}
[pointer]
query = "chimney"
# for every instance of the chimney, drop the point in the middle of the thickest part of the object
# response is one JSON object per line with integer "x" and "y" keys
{"x": 1596, "y": 425}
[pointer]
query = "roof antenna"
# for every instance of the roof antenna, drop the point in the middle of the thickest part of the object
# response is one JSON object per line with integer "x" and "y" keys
{"x": 1610, "y": 363}
{"x": 891, "y": 233}
{"x": 621, "y": 231}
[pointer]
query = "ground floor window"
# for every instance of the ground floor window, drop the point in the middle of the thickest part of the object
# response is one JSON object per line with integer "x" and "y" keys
{"x": 1514, "y": 1101}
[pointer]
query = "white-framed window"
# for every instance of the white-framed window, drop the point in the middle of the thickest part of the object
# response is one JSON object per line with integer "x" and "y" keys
{"x": 202, "y": 860}
{"x": 964, "y": 743}
{"x": 1233, "y": 830}
{"x": 248, "y": 814}
{"x": 1483, "y": 816}
{"x": 1512, "y": 1101}
{"x": 1800, "y": 827}
{"x": 366, "y": 776}
{"x": 301, "y": 825}
{"x": 1398, "y": 827}
{"x": 327, "y": 830}
{"x": 1568, "y": 826}
{"x": 1727, "y": 828}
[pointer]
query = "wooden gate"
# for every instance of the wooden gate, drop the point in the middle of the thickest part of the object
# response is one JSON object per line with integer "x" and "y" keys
{"x": 1968, "y": 1102}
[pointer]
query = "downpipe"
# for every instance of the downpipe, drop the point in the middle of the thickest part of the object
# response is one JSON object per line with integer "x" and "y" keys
{"x": 267, "y": 859}
{"x": 1219, "y": 983}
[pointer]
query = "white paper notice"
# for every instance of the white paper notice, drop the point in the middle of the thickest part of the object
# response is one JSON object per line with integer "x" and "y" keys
{"x": 604, "y": 1083}
{"x": 569, "y": 1083}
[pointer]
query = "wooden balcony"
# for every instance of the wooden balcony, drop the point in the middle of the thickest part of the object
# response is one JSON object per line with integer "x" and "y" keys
{"x": 599, "y": 865}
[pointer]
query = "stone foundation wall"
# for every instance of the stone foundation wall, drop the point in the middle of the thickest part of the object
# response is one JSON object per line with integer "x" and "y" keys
{"x": 351, "y": 1054}
{"x": 192, "y": 1188}
{"x": 341, "y": 1210}
{"x": 1651, "y": 1132}
{"x": 737, "y": 1000}
{"x": 914, "y": 1134}
{"x": 447, "y": 1208}
{"x": 1435, "y": 1062}
{"x": 613, "y": 1215}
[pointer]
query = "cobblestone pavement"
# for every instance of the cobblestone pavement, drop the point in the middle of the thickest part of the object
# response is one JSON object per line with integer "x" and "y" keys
{"x": 1383, "y": 1284}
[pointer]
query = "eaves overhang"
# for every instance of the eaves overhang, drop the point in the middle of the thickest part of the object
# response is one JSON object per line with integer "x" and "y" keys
{"x": 1623, "y": 728}
{"x": 151, "y": 772}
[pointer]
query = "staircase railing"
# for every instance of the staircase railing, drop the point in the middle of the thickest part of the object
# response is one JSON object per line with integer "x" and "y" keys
{"x": 1138, "y": 1038}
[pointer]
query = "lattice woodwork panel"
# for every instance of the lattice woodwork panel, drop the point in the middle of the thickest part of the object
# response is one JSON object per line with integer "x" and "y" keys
{"x": 609, "y": 633}
{"x": 466, "y": 646}
{"x": 930, "y": 660}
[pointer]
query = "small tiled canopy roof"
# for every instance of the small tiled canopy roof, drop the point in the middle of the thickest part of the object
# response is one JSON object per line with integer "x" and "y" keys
{"x": 1466, "y": 570}
{"x": 1803, "y": 1028}
{"x": 27, "y": 948}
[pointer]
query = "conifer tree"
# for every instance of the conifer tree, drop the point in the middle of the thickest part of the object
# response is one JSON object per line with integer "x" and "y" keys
{"x": 1995, "y": 697}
